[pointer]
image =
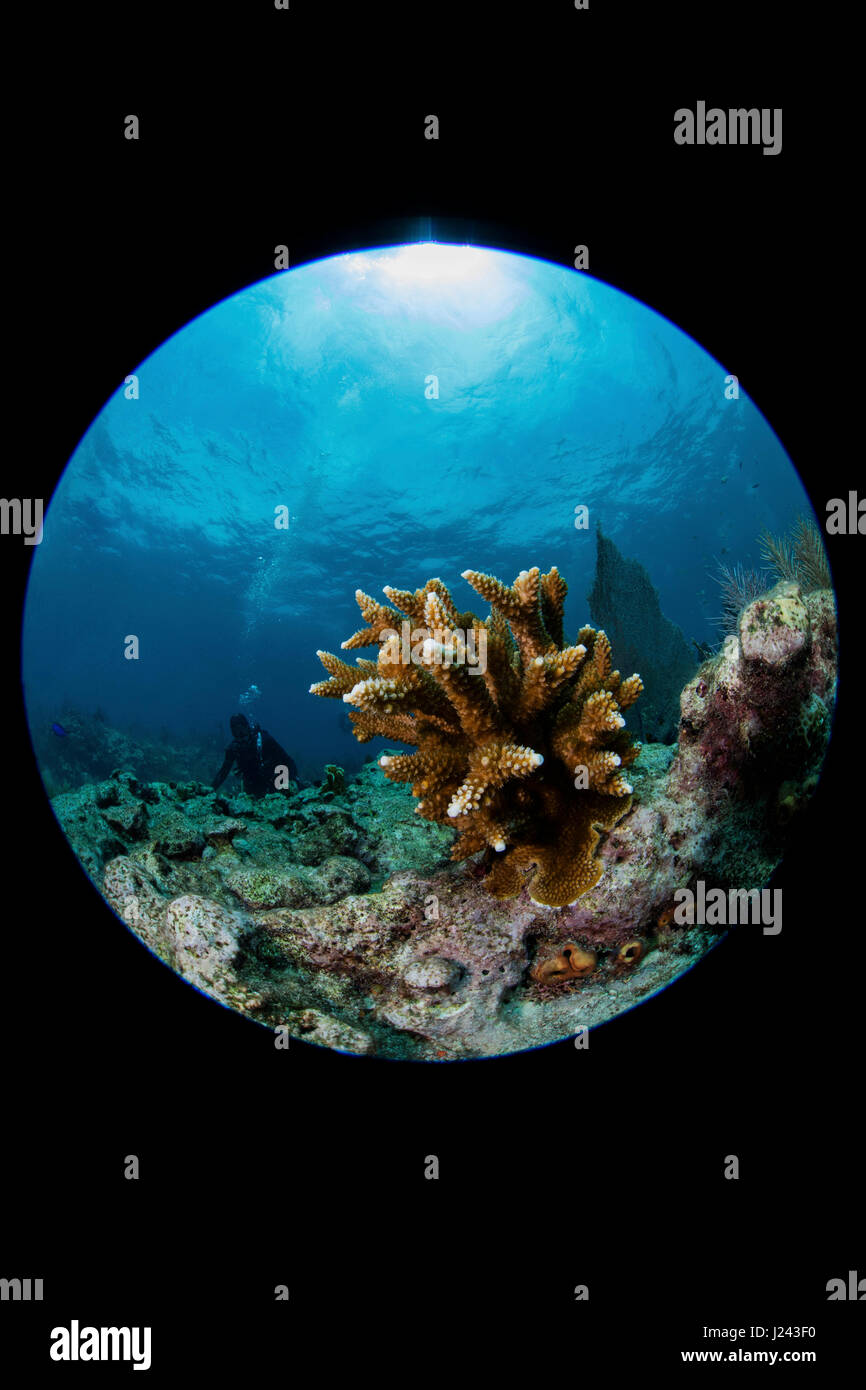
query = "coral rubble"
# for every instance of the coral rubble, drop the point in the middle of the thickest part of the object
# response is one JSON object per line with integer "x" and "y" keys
{"x": 523, "y": 752}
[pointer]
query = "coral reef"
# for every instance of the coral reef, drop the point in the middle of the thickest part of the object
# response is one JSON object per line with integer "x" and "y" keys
{"x": 624, "y": 602}
{"x": 526, "y": 754}
{"x": 280, "y": 849}
{"x": 93, "y": 748}
{"x": 342, "y": 917}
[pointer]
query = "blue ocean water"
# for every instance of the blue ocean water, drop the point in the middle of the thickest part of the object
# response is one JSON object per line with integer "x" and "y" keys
{"x": 313, "y": 390}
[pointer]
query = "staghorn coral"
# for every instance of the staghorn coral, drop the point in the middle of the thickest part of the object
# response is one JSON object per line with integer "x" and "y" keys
{"x": 524, "y": 752}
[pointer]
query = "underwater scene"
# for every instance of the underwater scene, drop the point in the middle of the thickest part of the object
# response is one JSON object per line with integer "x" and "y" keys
{"x": 428, "y": 651}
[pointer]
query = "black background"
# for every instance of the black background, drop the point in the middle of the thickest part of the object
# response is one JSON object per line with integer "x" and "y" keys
{"x": 303, "y": 1167}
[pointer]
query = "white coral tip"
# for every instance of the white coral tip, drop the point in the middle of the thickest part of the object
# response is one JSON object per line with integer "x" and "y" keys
{"x": 454, "y": 809}
{"x": 499, "y": 845}
{"x": 537, "y": 759}
{"x": 384, "y": 760}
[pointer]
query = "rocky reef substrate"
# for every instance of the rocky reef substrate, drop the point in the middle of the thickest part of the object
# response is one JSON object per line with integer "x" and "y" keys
{"x": 336, "y": 911}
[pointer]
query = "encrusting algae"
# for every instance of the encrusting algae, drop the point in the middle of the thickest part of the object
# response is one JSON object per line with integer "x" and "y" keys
{"x": 523, "y": 751}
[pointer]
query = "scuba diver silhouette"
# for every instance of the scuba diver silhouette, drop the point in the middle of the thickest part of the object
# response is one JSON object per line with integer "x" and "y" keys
{"x": 257, "y": 754}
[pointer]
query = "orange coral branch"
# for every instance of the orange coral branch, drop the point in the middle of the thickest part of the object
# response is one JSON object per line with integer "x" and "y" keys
{"x": 523, "y": 754}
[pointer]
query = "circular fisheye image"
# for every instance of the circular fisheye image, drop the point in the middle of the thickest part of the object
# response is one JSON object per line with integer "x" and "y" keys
{"x": 428, "y": 652}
